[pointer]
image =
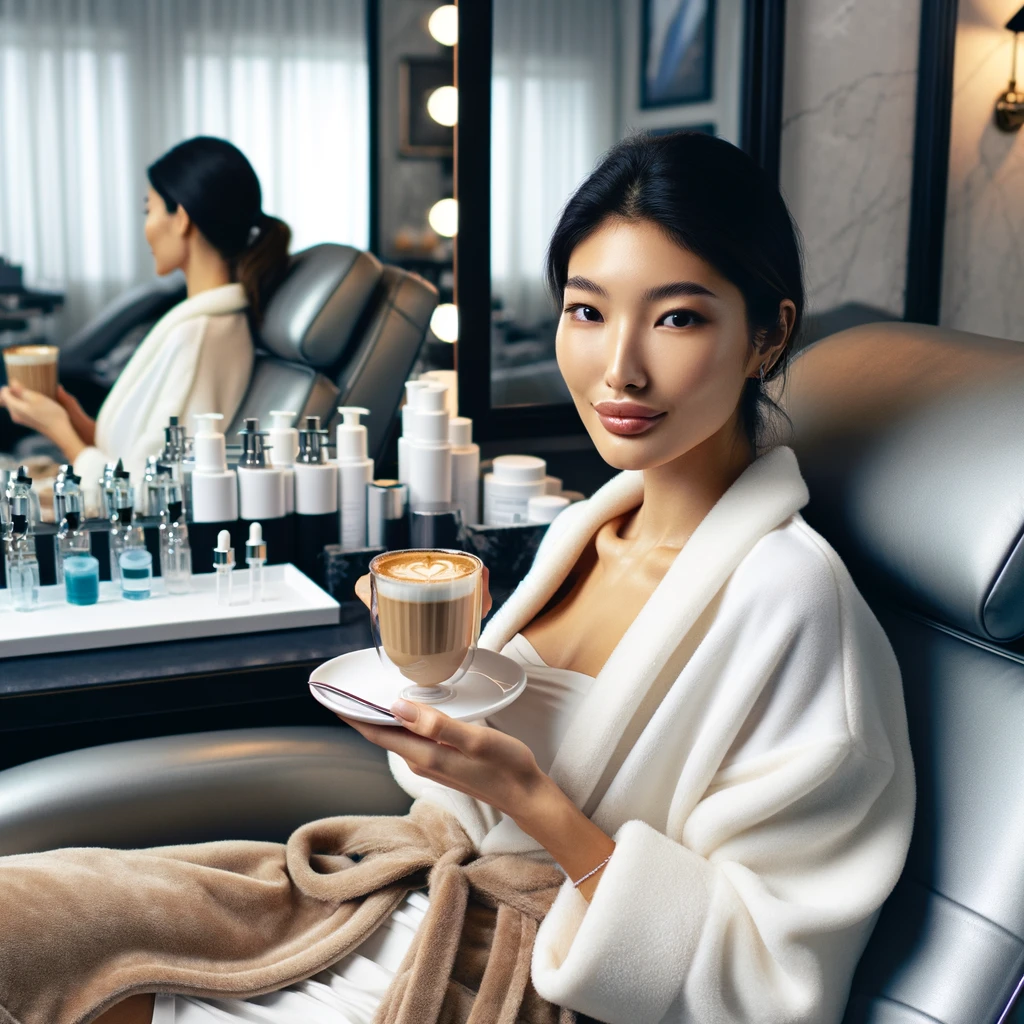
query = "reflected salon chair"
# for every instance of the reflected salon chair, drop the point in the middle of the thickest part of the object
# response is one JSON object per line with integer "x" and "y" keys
{"x": 911, "y": 440}
{"x": 341, "y": 329}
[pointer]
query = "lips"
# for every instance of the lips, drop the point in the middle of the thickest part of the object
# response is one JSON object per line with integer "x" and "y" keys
{"x": 627, "y": 418}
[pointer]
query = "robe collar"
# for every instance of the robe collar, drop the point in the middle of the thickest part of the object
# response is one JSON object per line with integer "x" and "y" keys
{"x": 764, "y": 496}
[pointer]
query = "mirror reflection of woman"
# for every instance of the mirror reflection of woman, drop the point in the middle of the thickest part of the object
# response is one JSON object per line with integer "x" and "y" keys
{"x": 711, "y": 755}
{"x": 204, "y": 217}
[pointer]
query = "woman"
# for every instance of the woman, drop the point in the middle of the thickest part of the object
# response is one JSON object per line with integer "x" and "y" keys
{"x": 204, "y": 217}
{"x": 710, "y": 759}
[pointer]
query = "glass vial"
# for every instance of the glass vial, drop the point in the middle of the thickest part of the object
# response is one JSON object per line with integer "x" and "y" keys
{"x": 223, "y": 563}
{"x": 175, "y": 551}
{"x": 71, "y": 541}
{"x": 82, "y": 579}
{"x": 136, "y": 574}
{"x": 125, "y": 535}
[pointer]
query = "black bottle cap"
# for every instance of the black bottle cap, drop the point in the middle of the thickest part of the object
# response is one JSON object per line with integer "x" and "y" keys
{"x": 124, "y": 516}
{"x": 19, "y": 524}
{"x": 23, "y": 477}
{"x": 73, "y": 519}
{"x": 174, "y": 510}
{"x": 120, "y": 472}
{"x": 73, "y": 477}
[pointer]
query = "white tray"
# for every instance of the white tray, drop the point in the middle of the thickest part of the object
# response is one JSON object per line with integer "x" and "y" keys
{"x": 290, "y": 600}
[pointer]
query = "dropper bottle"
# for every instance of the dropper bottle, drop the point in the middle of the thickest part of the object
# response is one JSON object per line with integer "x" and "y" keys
{"x": 20, "y": 553}
{"x": 223, "y": 563}
{"x": 71, "y": 540}
{"x": 125, "y": 533}
{"x": 175, "y": 551}
{"x": 255, "y": 558}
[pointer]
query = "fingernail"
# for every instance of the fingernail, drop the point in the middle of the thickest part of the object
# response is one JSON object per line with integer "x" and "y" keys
{"x": 405, "y": 709}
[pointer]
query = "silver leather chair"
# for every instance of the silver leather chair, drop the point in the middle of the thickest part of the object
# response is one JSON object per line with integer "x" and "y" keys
{"x": 912, "y": 441}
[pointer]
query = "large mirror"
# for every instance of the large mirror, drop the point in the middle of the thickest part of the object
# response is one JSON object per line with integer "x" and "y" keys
{"x": 545, "y": 89}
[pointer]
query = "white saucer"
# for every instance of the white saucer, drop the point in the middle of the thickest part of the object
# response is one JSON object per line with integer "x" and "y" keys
{"x": 492, "y": 683}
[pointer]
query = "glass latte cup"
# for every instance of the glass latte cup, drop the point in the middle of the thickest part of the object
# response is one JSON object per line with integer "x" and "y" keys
{"x": 425, "y": 606}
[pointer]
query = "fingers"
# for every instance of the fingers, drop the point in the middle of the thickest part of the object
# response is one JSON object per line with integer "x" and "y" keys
{"x": 487, "y": 602}
{"x": 363, "y": 589}
{"x": 437, "y": 726}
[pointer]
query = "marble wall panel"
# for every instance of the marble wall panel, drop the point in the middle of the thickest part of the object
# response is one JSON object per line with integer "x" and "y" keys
{"x": 983, "y": 257}
{"x": 847, "y": 145}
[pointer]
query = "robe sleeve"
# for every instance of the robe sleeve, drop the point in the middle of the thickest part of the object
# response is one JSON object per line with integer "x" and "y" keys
{"x": 764, "y": 924}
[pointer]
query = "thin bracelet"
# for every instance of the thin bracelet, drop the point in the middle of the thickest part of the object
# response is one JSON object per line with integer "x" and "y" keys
{"x": 589, "y": 873}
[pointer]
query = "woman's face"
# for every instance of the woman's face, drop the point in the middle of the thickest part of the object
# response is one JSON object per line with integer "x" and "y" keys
{"x": 165, "y": 233}
{"x": 654, "y": 346}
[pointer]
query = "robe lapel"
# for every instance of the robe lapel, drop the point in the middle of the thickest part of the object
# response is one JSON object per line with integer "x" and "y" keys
{"x": 768, "y": 492}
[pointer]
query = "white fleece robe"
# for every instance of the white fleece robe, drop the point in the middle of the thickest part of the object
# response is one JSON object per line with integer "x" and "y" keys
{"x": 746, "y": 747}
{"x": 197, "y": 358}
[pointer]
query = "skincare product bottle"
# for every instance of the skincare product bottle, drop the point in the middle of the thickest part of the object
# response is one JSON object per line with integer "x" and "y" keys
{"x": 429, "y": 451}
{"x": 317, "y": 522}
{"x": 175, "y": 552}
{"x": 19, "y": 502}
{"x": 123, "y": 491}
{"x": 514, "y": 480}
{"x": 387, "y": 520}
{"x": 214, "y": 486}
{"x": 261, "y": 494}
{"x": 284, "y": 447}
{"x": 173, "y": 455}
{"x": 223, "y": 563}
{"x": 408, "y": 411}
{"x": 260, "y": 485}
{"x": 448, "y": 379}
{"x": 108, "y": 510}
{"x": 355, "y": 471}
{"x": 20, "y": 556}
{"x": 59, "y": 485}
{"x": 545, "y": 507}
{"x": 21, "y": 483}
{"x": 435, "y": 528}
{"x": 255, "y": 559}
{"x": 553, "y": 484}
{"x": 136, "y": 574}
{"x": 465, "y": 469}
{"x": 126, "y": 535}
{"x": 82, "y": 579}
{"x": 154, "y": 487}
{"x": 71, "y": 540}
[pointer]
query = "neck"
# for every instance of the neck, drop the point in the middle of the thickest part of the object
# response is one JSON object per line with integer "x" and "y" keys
{"x": 204, "y": 269}
{"x": 680, "y": 493}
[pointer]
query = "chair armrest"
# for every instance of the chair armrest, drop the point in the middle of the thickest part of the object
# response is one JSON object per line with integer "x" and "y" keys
{"x": 232, "y": 784}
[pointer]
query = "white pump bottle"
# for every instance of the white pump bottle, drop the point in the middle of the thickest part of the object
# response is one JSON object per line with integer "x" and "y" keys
{"x": 355, "y": 471}
{"x": 284, "y": 447}
{"x": 429, "y": 451}
{"x": 214, "y": 486}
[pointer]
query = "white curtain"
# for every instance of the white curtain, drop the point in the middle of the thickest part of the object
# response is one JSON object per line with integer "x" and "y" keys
{"x": 92, "y": 91}
{"x": 553, "y": 113}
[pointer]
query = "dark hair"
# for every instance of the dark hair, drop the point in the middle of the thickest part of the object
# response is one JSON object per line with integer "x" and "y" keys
{"x": 218, "y": 188}
{"x": 714, "y": 200}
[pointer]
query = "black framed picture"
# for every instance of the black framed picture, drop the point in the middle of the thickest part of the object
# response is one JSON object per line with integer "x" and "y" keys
{"x": 677, "y": 52}
{"x": 705, "y": 128}
{"x": 418, "y": 133}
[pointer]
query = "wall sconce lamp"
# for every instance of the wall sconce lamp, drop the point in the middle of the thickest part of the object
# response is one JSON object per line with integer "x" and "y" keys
{"x": 1010, "y": 105}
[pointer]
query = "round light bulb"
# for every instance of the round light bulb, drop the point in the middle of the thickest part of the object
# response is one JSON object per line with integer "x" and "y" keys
{"x": 443, "y": 105}
{"x": 444, "y": 217}
{"x": 443, "y": 25}
{"x": 444, "y": 322}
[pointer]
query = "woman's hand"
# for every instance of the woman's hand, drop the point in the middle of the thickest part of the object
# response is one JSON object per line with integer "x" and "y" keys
{"x": 83, "y": 424}
{"x": 363, "y": 592}
{"x": 37, "y": 412}
{"x": 483, "y": 763}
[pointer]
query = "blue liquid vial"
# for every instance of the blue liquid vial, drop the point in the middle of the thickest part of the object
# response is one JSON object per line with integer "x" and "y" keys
{"x": 81, "y": 579}
{"x": 136, "y": 566}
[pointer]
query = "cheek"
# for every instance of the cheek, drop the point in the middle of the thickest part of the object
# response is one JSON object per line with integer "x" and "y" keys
{"x": 580, "y": 357}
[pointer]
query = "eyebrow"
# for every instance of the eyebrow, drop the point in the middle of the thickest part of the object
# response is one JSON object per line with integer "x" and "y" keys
{"x": 656, "y": 294}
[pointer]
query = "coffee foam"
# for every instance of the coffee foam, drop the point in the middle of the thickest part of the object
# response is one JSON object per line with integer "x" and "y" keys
{"x": 410, "y": 576}
{"x": 30, "y": 355}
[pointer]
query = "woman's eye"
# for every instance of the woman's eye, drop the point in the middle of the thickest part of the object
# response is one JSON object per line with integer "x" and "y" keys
{"x": 681, "y": 318}
{"x": 583, "y": 313}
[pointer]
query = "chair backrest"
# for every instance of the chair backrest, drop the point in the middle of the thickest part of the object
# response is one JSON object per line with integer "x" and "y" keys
{"x": 911, "y": 440}
{"x": 340, "y": 329}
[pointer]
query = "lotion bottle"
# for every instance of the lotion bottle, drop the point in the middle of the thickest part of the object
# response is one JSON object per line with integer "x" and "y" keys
{"x": 355, "y": 471}
{"x": 261, "y": 495}
{"x": 214, "y": 491}
{"x": 316, "y": 499}
{"x": 284, "y": 446}
{"x": 408, "y": 429}
{"x": 430, "y": 451}
{"x": 465, "y": 469}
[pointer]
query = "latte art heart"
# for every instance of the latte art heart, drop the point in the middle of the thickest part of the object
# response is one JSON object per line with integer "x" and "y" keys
{"x": 437, "y": 568}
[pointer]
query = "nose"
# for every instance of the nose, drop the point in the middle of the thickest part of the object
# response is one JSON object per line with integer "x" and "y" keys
{"x": 625, "y": 366}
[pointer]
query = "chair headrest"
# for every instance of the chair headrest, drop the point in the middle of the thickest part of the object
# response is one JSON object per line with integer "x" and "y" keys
{"x": 911, "y": 440}
{"x": 312, "y": 313}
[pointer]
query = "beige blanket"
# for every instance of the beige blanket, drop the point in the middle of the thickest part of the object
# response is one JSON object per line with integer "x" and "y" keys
{"x": 81, "y": 929}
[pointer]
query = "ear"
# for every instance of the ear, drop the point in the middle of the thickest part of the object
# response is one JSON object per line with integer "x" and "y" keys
{"x": 181, "y": 222}
{"x": 769, "y": 345}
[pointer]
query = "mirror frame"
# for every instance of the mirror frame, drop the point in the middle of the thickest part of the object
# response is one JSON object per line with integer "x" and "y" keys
{"x": 760, "y": 131}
